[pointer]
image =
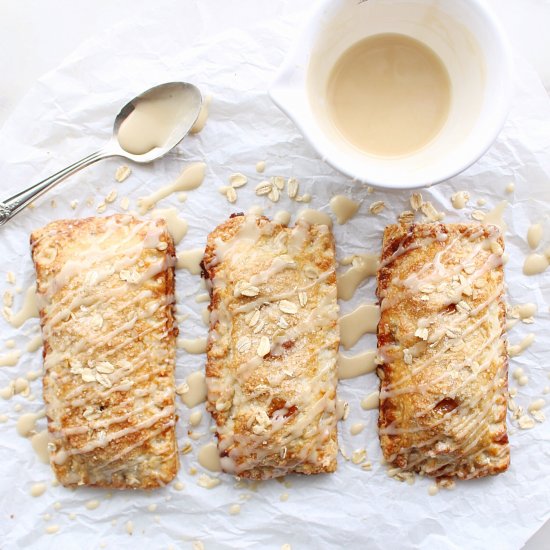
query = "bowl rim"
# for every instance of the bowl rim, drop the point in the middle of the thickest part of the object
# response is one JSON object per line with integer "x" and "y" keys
{"x": 309, "y": 32}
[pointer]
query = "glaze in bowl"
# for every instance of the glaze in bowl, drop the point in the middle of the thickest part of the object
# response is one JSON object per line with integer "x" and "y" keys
{"x": 463, "y": 33}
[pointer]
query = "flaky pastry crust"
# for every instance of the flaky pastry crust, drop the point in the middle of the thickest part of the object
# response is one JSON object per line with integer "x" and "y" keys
{"x": 105, "y": 288}
{"x": 441, "y": 338}
{"x": 272, "y": 349}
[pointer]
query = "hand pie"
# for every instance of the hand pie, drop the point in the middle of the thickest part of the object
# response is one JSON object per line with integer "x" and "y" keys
{"x": 105, "y": 290}
{"x": 441, "y": 340}
{"x": 272, "y": 350}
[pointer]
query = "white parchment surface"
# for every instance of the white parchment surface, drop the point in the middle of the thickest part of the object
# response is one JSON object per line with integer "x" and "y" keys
{"x": 231, "y": 51}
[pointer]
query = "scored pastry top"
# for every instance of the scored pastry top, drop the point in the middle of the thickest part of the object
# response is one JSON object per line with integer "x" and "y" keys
{"x": 272, "y": 349}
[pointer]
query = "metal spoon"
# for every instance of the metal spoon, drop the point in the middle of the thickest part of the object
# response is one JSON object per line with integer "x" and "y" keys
{"x": 189, "y": 93}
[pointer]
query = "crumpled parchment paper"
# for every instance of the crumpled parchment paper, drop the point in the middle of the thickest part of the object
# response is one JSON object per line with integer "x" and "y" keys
{"x": 69, "y": 113}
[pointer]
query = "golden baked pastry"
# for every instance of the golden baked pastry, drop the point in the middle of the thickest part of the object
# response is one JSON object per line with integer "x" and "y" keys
{"x": 105, "y": 290}
{"x": 272, "y": 348}
{"x": 441, "y": 340}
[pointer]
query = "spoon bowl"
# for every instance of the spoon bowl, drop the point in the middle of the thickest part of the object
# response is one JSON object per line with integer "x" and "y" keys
{"x": 187, "y": 100}
{"x": 186, "y": 93}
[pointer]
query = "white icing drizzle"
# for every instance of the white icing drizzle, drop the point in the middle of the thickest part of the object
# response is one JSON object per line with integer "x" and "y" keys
{"x": 208, "y": 482}
{"x": 371, "y": 401}
{"x": 191, "y": 177}
{"x": 401, "y": 250}
{"x": 315, "y": 217}
{"x": 362, "y": 267}
{"x": 521, "y": 378}
{"x": 517, "y": 349}
{"x": 472, "y": 323}
{"x": 361, "y": 321}
{"x": 111, "y": 277}
{"x": 176, "y": 226}
{"x": 92, "y": 504}
{"x": 495, "y": 216}
{"x": 278, "y": 265}
{"x": 34, "y": 344}
{"x": 39, "y": 443}
{"x": 28, "y": 310}
{"x": 193, "y": 391}
{"x": 19, "y": 385}
{"x": 192, "y": 345}
{"x": 200, "y": 123}
{"x": 209, "y": 457}
{"x": 356, "y": 428}
{"x": 535, "y": 264}
{"x": 290, "y": 416}
{"x": 356, "y": 365}
{"x": 400, "y": 387}
{"x": 248, "y": 235}
{"x": 10, "y": 359}
{"x": 282, "y": 217}
{"x": 534, "y": 235}
{"x": 38, "y": 489}
{"x": 256, "y": 210}
{"x": 460, "y": 199}
{"x": 26, "y": 423}
{"x": 190, "y": 260}
{"x": 343, "y": 208}
{"x": 195, "y": 418}
{"x": 260, "y": 166}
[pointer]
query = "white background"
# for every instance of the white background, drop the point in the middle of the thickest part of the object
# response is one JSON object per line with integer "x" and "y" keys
{"x": 36, "y": 35}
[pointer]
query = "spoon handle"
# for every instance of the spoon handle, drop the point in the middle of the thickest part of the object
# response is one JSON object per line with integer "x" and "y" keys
{"x": 13, "y": 205}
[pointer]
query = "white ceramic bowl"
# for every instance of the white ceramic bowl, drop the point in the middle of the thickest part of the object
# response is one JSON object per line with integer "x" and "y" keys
{"x": 463, "y": 33}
